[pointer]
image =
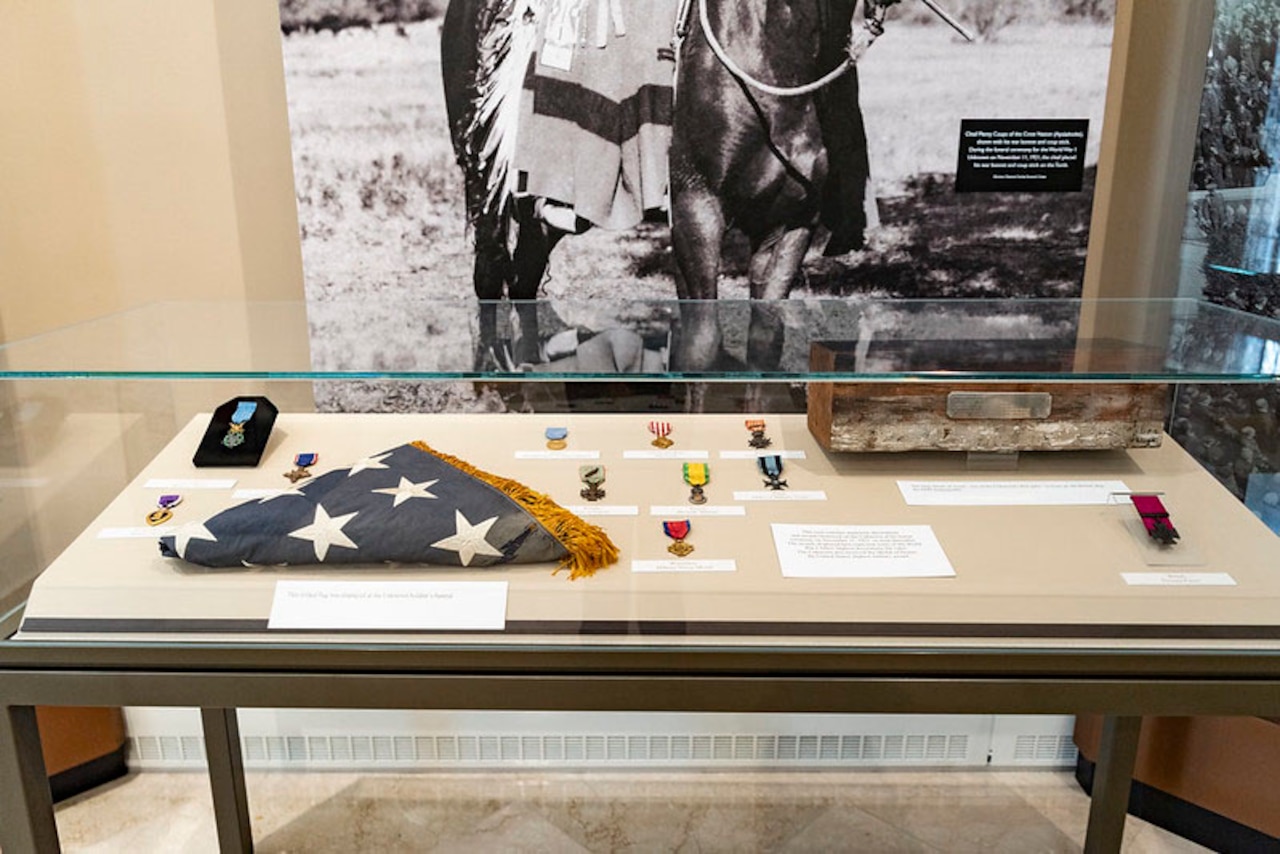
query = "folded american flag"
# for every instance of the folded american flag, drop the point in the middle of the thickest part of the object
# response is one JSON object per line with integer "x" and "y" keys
{"x": 407, "y": 505}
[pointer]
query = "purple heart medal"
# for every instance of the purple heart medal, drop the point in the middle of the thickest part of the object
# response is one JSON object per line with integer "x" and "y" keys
{"x": 165, "y": 512}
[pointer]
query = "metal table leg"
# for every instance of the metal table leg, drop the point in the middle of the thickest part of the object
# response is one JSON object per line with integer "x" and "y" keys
{"x": 1112, "y": 778}
{"x": 226, "y": 778}
{"x": 26, "y": 807}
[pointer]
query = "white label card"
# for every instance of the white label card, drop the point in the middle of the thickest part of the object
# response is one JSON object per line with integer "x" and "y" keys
{"x": 603, "y": 509}
{"x": 860, "y": 551}
{"x": 1178, "y": 579}
{"x": 408, "y": 605}
{"x": 678, "y": 510}
{"x": 190, "y": 483}
{"x": 139, "y": 533}
{"x": 780, "y": 495}
{"x": 765, "y": 452}
{"x": 684, "y": 565}
{"x": 557, "y": 455}
{"x": 1004, "y": 493}
{"x": 668, "y": 454}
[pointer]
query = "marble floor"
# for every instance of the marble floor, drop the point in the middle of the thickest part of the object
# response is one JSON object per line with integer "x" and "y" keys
{"x": 865, "y": 811}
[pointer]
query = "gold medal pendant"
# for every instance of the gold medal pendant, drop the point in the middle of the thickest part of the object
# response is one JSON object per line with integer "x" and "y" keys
{"x": 557, "y": 438}
{"x": 660, "y": 430}
{"x": 165, "y": 510}
{"x": 159, "y": 517}
{"x": 680, "y": 548}
{"x": 677, "y": 531}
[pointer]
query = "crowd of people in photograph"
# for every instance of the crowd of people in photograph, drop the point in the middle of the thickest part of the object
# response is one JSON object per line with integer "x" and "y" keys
{"x": 1233, "y": 149}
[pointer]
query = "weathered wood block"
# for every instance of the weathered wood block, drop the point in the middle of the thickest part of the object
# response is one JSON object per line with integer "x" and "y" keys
{"x": 995, "y": 416}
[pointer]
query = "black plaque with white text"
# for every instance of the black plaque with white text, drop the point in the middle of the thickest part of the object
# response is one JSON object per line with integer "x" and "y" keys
{"x": 1021, "y": 155}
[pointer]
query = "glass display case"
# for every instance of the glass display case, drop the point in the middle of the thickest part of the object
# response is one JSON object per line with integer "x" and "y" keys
{"x": 818, "y": 580}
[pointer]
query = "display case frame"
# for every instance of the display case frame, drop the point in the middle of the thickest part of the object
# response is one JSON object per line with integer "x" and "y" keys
{"x": 1187, "y": 667}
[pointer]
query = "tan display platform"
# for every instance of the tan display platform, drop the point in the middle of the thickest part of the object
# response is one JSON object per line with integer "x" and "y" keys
{"x": 1023, "y": 574}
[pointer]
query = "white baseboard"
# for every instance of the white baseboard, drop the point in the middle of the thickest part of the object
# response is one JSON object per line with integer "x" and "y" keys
{"x": 171, "y": 739}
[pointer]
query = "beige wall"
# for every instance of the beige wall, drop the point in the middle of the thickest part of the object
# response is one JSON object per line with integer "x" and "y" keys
{"x": 1153, "y": 102}
{"x": 144, "y": 155}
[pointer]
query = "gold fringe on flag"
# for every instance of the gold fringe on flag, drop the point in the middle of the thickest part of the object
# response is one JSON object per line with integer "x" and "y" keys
{"x": 589, "y": 548}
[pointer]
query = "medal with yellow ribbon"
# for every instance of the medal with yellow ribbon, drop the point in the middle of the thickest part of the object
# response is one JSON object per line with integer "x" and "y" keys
{"x": 697, "y": 475}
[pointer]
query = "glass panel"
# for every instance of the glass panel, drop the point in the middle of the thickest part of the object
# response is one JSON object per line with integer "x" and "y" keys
{"x": 739, "y": 340}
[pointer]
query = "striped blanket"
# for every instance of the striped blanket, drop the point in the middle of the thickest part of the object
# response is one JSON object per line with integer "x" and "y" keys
{"x": 594, "y": 121}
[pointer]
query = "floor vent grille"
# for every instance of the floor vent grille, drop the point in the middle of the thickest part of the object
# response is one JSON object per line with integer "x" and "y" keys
{"x": 445, "y": 750}
{"x": 1044, "y": 748}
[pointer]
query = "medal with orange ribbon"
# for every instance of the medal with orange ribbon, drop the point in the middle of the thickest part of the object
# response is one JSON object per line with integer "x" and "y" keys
{"x": 758, "y": 440}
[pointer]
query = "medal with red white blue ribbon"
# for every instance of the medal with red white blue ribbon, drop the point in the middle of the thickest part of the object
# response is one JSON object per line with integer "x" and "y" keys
{"x": 677, "y": 531}
{"x": 301, "y": 463}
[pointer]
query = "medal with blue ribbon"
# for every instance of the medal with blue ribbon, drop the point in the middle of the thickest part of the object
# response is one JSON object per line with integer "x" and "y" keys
{"x": 165, "y": 512}
{"x": 235, "y": 435}
{"x": 697, "y": 475}
{"x": 677, "y": 531}
{"x": 771, "y": 468}
{"x": 592, "y": 476}
{"x": 556, "y": 438}
{"x": 302, "y": 462}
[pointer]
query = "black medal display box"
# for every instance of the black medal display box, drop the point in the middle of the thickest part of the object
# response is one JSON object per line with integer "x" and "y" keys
{"x": 237, "y": 434}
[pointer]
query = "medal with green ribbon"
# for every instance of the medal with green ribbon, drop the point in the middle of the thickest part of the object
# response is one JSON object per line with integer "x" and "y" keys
{"x": 697, "y": 475}
{"x": 592, "y": 476}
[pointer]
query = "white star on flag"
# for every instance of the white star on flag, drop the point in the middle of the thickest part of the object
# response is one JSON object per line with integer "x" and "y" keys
{"x": 407, "y": 489}
{"x": 469, "y": 541}
{"x": 326, "y": 531}
{"x": 281, "y": 494}
{"x": 369, "y": 463}
{"x": 188, "y": 532}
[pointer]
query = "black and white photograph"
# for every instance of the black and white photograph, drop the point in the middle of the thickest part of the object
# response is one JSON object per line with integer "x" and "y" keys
{"x": 608, "y": 157}
{"x": 1231, "y": 251}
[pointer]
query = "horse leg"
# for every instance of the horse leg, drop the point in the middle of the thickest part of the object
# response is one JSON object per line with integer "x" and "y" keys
{"x": 774, "y": 266}
{"x": 696, "y": 242}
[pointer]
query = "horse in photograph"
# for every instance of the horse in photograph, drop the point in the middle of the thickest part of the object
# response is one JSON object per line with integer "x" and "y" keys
{"x": 735, "y": 152}
{"x": 768, "y": 138}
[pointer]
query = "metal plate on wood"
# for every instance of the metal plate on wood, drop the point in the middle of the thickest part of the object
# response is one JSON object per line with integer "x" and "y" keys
{"x": 999, "y": 405}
